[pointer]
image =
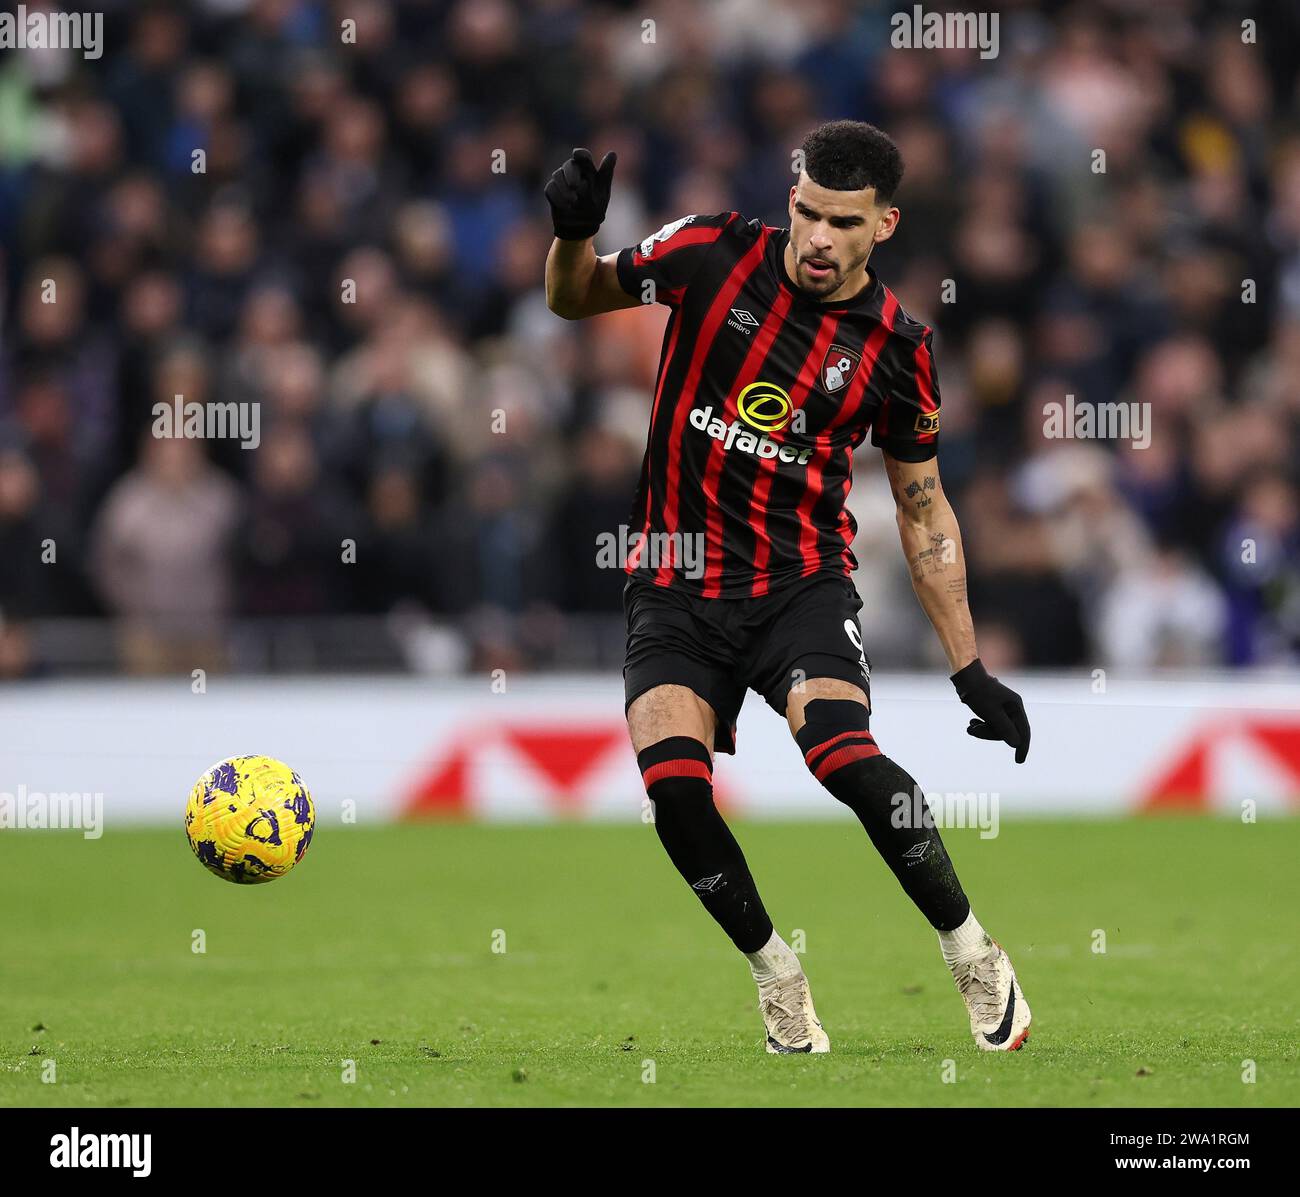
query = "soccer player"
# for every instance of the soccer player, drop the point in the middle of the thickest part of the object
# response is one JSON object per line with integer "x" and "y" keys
{"x": 782, "y": 351}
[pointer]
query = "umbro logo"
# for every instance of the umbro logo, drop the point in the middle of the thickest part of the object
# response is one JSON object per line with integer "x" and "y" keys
{"x": 709, "y": 885}
{"x": 916, "y": 853}
{"x": 743, "y": 321}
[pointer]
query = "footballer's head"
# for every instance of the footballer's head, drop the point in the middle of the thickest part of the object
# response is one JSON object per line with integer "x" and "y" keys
{"x": 842, "y": 205}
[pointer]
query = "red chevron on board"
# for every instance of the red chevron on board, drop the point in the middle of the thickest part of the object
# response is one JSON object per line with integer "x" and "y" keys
{"x": 441, "y": 790}
{"x": 565, "y": 755}
{"x": 1186, "y": 782}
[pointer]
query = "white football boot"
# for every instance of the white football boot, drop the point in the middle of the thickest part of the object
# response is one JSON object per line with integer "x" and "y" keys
{"x": 999, "y": 1014}
{"x": 792, "y": 1024}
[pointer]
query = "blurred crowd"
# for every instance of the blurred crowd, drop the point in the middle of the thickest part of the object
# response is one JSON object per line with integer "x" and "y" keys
{"x": 335, "y": 211}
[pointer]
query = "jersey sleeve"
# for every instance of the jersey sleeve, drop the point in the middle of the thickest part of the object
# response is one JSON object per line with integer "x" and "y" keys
{"x": 907, "y": 422}
{"x": 670, "y": 258}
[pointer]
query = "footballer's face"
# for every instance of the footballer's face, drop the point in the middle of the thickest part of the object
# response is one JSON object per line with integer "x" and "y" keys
{"x": 832, "y": 233}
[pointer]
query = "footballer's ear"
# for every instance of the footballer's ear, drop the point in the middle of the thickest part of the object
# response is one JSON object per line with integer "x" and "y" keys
{"x": 886, "y": 224}
{"x": 789, "y": 208}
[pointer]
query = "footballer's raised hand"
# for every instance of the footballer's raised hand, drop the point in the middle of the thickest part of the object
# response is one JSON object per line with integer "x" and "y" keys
{"x": 579, "y": 194}
{"x": 1000, "y": 709}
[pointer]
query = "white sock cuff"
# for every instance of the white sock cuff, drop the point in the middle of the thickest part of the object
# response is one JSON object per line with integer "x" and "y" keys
{"x": 964, "y": 940}
{"x": 774, "y": 959}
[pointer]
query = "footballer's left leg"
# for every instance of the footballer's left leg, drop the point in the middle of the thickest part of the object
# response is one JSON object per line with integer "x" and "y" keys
{"x": 830, "y": 720}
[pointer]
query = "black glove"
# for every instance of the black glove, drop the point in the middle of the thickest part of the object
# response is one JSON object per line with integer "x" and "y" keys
{"x": 579, "y": 194}
{"x": 1001, "y": 713}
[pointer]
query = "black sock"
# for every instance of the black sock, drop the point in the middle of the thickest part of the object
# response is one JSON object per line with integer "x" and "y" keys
{"x": 850, "y": 765}
{"x": 678, "y": 778}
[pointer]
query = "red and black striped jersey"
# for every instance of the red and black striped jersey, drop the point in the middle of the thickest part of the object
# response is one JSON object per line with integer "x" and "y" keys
{"x": 762, "y": 394}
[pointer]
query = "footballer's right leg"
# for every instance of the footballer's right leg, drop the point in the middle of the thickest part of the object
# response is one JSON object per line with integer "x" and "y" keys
{"x": 671, "y": 728}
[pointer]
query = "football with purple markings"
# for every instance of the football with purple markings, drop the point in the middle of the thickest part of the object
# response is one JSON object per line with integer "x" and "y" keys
{"x": 250, "y": 819}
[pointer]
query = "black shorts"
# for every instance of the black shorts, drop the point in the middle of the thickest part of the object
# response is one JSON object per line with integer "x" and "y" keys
{"x": 719, "y": 648}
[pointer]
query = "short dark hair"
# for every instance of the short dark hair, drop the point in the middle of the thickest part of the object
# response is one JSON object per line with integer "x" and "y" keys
{"x": 853, "y": 155}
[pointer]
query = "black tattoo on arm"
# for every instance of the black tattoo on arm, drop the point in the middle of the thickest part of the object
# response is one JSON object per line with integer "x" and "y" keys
{"x": 914, "y": 488}
{"x": 934, "y": 560}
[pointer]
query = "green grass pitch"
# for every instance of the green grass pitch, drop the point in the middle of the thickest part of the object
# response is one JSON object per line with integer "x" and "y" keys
{"x": 615, "y": 988}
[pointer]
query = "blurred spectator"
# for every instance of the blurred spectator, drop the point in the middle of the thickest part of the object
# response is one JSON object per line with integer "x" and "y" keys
{"x": 17, "y": 652}
{"x": 26, "y": 589}
{"x": 594, "y": 504}
{"x": 1168, "y": 614}
{"x": 1261, "y": 563}
{"x": 483, "y": 542}
{"x": 161, "y": 551}
{"x": 400, "y": 568}
{"x": 295, "y": 548}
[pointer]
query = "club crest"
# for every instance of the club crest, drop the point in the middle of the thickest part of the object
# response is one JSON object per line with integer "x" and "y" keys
{"x": 838, "y": 367}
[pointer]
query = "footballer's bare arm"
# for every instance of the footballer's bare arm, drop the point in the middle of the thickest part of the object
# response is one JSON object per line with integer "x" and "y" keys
{"x": 931, "y": 543}
{"x": 579, "y": 284}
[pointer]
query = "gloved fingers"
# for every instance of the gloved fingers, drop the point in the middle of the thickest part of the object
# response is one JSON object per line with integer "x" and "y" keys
{"x": 560, "y": 193}
{"x": 1020, "y": 721}
{"x": 573, "y": 173}
{"x": 580, "y": 170}
{"x": 999, "y": 727}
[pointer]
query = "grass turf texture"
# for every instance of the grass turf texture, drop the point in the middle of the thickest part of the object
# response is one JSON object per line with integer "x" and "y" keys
{"x": 378, "y": 949}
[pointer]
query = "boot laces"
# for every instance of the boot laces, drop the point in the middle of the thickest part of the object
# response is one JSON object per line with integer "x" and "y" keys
{"x": 977, "y": 980}
{"x": 784, "y": 1006}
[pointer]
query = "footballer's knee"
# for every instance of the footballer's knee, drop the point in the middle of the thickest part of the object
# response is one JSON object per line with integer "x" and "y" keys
{"x": 831, "y": 689}
{"x": 843, "y": 755}
{"x": 835, "y": 734}
{"x": 677, "y": 767}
